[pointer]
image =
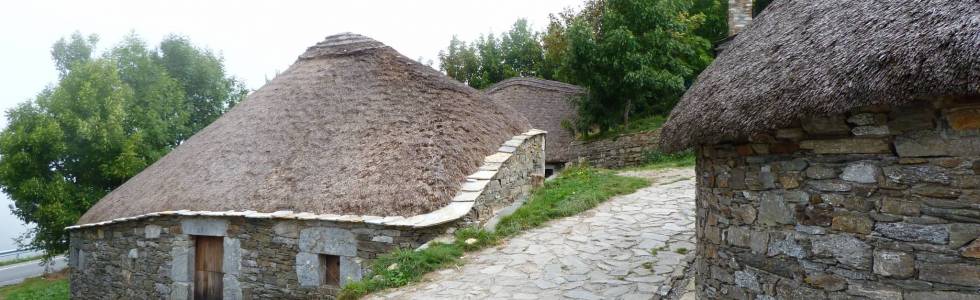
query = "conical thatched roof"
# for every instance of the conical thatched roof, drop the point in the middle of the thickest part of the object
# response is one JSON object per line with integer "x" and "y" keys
{"x": 352, "y": 127}
{"x": 802, "y": 58}
{"x": 545, "y": 104}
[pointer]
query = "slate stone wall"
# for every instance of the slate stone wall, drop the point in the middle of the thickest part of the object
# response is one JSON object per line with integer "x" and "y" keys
{"x": 126, "y": 261}
{"x": 739, "y": 15}
{"x": 514, "y": 179}
{"x": 268, "y": 258}
{"x": 878, "y": 203}
{"x": 616, "y": 152}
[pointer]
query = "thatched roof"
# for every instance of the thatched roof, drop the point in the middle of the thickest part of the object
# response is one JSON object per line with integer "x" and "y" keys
{"x": 803, "y": 58}
{"x": 352, "y": 127}
{"x": 545, "y": 104}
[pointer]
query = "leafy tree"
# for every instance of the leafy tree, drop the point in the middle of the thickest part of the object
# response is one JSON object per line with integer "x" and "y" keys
{"x": 68, "y": 52}
{"x": 555, "y": 41}
{"x": 522, "y": 50}
{"x": 715, "y": 27}
{"x": 492, "y": 68}
{"x": 641, "y": 60}
{"x": 461, "y": 62}
{"x": 201, "y": 73}
{"x": 489, "y": 59}
{"x": 105, "y": 120}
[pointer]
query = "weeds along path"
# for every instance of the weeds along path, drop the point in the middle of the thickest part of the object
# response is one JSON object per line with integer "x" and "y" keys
{"x": 630, "y": 247}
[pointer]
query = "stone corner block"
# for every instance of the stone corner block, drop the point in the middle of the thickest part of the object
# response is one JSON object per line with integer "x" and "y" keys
{"x": 204, "y": 226}
{"x": 328, "y": 240}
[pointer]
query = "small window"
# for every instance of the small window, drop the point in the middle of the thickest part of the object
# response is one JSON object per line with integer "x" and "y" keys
{"x": 330, "y": 269}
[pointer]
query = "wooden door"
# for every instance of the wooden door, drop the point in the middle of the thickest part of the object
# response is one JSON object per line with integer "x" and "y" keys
{"x": 208, "y": 254}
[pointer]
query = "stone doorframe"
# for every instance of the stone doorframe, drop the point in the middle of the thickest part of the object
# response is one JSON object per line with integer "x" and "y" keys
{"x": 315, "y": 241}
{"x": 182, "y": 255}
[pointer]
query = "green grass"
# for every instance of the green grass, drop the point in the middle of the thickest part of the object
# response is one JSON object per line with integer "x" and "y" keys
{"x": 658, "y": 160}
{"x": 577, "y": 189}
{"x": 53, "y": 286}
{"x": 20, "y": 260}
{"x": 649, "y": 123}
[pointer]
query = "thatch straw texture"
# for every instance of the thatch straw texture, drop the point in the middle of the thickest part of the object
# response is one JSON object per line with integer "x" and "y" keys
{"x": 353, "y": 127}
{"x": 545, "y": 104}
{"x": 803, "y": 58}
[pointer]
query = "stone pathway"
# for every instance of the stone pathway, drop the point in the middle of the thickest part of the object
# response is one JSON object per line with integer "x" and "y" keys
{"x": 627, "y": 248}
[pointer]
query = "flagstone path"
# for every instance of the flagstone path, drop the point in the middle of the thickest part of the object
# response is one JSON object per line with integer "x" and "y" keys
{"x": 630, "y": 247}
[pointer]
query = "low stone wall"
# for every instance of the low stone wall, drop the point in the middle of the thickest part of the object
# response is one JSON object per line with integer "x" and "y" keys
{"x": 616, "y": 152}
{"x": 277, "y": 255}
{"x": 879, "y": 203}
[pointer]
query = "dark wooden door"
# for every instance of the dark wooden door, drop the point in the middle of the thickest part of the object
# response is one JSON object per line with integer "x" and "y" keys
{"x": 207, "y": 267}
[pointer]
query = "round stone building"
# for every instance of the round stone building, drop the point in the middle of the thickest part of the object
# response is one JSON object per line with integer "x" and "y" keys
{"x": 838, "y": 153}
{"x": 546, "y": 104}
{"x": 353, "y": 151}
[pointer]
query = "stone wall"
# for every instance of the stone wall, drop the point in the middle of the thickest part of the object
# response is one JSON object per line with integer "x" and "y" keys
{"x": 616, "y": 152}
{"x": 276, "y": 255}
{"x": 739, "y": 15}
{"x": 878, "y": 203}
{"x": 518, "y": 168}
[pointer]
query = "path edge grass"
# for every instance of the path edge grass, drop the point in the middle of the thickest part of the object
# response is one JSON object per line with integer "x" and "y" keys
{"x": 575, "y": 190}
{"x": 50, "y": 286}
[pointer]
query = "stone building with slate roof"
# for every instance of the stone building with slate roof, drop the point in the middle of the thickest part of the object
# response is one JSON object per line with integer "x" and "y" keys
{"x": 838, "y": 153}
{"x": 353, "y": 151}
{"x": 545, "y": 104}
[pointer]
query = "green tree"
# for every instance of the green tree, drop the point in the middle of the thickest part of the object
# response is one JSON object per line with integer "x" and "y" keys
{"x": 74, "y": 50}
{"x": 554, "y": 40}
{"x": 492, "y": 68}
{"x": 522, "y": 50}
{"x": 715, "y": 27}
{"x": 461, "y": 62}
{"x": 640, "y": 61}
{"x": 202, "y": 75}
{"x": 105, "y": 120}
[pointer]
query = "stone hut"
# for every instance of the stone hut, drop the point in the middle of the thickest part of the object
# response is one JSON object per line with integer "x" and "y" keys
{"x": 546, "y": 104}
{"x": 353, "y": 151}
{"x": 838, "y": 153}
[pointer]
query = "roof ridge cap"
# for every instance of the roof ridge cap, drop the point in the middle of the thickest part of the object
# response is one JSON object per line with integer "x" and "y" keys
{"x": 341, "y": 44}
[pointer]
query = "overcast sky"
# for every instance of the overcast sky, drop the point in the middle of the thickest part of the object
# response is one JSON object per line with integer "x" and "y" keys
{"x": 256, "y": 38}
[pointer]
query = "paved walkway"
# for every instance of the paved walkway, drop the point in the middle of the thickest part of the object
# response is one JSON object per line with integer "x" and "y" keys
{"x": 14, "y": 274}
{"x": 627, "y": 248}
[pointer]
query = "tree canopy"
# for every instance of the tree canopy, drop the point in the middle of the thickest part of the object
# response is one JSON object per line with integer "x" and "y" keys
{"x": 636, "y": 57}
{"x": 106, "y": 119}
{"x": 641, "y": 62}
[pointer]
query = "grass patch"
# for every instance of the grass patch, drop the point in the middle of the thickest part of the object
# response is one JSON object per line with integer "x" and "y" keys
{"x": 51, "y": 286}
{"x": 20, "y": 260}
{"x": 575, "y": 190}
{"x": 656, "y": 160}
{"x": 649, "y": 123}
{"x": 681, "y": 250}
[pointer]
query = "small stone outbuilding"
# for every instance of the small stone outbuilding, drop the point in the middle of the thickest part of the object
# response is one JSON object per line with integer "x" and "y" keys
{"x": 353, "y": 151}
{"x": 838, "y": 153}
{"x": 546, "y": 104}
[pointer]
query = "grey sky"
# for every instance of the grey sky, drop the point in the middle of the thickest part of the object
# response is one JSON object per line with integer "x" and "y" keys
{"x": 256, "y": 38}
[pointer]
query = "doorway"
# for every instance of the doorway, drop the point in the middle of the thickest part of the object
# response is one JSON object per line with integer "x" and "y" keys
{"x": 208, "y": 254}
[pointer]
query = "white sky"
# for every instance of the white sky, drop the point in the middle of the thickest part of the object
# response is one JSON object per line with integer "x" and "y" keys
{"x": 256, "y": 38}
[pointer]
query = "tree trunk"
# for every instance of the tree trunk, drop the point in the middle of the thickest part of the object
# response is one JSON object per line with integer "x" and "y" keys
{"x": 626, "y": 113}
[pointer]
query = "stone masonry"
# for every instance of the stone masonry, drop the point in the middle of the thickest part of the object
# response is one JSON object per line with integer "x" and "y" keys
{"x": 621, "y": 151}
{"x": 877, "y": 203}
{"x": 276, "y": 256}
{"x": 739, "y": 15}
